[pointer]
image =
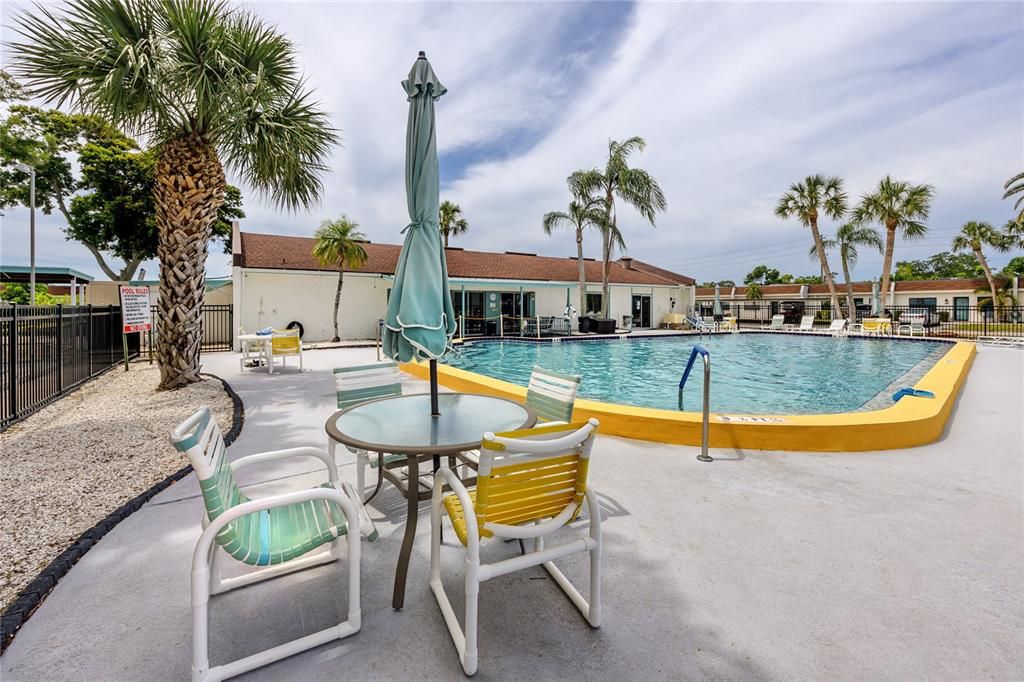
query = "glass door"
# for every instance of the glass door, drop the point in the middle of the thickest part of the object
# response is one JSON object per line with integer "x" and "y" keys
{"x": 961, "y": 308}
{"x": 641, "y": 311}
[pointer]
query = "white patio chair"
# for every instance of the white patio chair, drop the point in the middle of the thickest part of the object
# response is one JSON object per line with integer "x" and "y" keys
{"x": 276, "y": 533}
{"x": 913, "y": 325}
{"x": 284, "y": 344}
{"x": 837, "y": 328}
{"x": 530, "y": 484}
{"x": 776, "y": 323}
{"x": 806, "y": 324}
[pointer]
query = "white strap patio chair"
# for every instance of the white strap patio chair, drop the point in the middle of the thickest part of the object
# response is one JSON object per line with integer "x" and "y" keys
{"x": 776, "y": 323}
{"x": 551, "y": 395}
{"x": 837, "y": 328}
{"x": 806, "y": 324}
{"x": 531, "y": 483}
{"x": 360, "y": 384}
{"x": 912, "y": 325}
{"x": 275, "y": 533}
{"x": 284, "y": 344}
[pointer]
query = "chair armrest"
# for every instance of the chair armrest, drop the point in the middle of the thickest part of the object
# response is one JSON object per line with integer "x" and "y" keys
{"x": 206, "y": 540}
{"x": 453, "y": 482}
{"x": 305, "y": 451}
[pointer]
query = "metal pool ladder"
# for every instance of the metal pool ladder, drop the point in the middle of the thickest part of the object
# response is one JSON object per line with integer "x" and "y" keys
{"x": 706, "y": 356}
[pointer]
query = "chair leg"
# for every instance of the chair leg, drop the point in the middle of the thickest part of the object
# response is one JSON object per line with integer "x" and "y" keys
{"x": 469, "y": 657}
{"x": 362, "y": 461}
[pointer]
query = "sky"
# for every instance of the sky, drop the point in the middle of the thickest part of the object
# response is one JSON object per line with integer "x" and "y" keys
{"x": 735, "y": 100}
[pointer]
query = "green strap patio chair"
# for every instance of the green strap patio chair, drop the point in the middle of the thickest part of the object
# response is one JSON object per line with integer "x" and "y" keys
{"x": 360, "y": 384}
{"x": 551, "y": 395}
{"x": 276, "y": 533}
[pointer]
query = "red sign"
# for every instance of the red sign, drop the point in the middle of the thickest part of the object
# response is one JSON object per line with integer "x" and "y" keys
{"x": 136, "y": 313}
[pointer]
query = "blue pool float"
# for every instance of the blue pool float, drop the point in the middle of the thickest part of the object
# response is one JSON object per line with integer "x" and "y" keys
{"x": 917, "y": 393}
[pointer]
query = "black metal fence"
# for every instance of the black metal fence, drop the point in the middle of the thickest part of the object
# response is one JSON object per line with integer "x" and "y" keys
{"x": 947, "y": 321}
{"x": 218, "y": 326}
{"x": 45, "y": 351}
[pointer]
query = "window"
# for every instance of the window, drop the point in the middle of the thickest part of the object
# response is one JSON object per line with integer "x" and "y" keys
{"x": 929, "y": 303}
{"x": 593, "y": 303}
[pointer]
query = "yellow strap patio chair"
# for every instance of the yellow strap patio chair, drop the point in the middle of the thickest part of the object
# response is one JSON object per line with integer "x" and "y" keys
{"x": 285, "y": 343}
{"x": 530, "y": 484}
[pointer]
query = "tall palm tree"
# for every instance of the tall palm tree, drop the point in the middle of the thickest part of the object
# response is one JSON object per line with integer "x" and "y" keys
{"x": 634, "y": 186}
{"x": 203, "y": 81}
{"x": 806, "y": 201}
{"x": 974, "y": 237}
{"x": 338, "y": 244}
{"x": 584, "y": 211}
{"x": 1015, "y": 185}
{"x": 847, "y": 239}
{"x": 450, "y": 221}
{"x": 898, "y": 206}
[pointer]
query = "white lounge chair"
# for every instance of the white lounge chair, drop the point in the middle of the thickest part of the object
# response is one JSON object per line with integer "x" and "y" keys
{"x": 531, "y": 484}
{"x": 806, "y": 324}
{"x": 837, "y": 328}
{"x": 776, "y": 324}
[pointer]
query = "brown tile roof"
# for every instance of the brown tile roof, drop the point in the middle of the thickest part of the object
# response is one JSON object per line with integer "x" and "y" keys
{"x": 660, "y": 272}
{"x": 295, "y": 253}
{"x": 922, "y": 285}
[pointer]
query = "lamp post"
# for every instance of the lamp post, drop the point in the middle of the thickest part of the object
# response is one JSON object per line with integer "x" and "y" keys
{"x": 25, "y": 168}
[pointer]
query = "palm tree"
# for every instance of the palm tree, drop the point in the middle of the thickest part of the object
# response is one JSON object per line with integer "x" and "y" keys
{"x": 973, "y": 237}
{"x": 899, "y": 206}
{"x": 754, "y": 292}
{"x": 584, "y": 211}
{"x": 848, "y": 238}
{"x": 338, "y": 243}
{"x": 634, "y": 186}
{"x": 203, "y": 81}
{"x": 450, "y": 221}
{"x": 805, "y": 201}
{"x": 1015, "y": 185}
{"x": 1004, "y": 297}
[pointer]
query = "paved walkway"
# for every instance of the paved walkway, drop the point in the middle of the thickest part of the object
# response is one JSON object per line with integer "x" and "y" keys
{"x": 885, "y": 565}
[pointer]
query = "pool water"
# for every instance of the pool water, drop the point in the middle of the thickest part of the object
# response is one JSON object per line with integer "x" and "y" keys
{"x": 750, "y": 373}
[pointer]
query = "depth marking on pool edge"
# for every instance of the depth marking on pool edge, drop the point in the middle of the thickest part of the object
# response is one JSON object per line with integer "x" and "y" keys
{"x": 750, "y": 420}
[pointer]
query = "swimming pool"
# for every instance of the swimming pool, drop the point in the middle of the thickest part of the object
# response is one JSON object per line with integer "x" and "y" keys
{"x": 751, "y": 373}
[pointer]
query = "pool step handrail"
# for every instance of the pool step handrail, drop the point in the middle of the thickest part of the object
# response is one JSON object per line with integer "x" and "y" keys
{"x": 705, "y": 411}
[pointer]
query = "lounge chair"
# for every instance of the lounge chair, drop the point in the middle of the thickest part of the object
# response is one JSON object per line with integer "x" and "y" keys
{"x": 284, "y": 344}
{"x": 699, "y": 324}
{"x": 776, "y": 324}
{"x": 531, "y": 484}
{"x": 914, "y": 324}
{"x": 1004, "y": 341}
{"x": 837, "y": 328}
{"x": 276, "y": 533}
{"x": 806, "y": 324}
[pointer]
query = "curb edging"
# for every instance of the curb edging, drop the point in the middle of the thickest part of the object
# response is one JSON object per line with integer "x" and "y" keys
{"x": 33, "y": 594}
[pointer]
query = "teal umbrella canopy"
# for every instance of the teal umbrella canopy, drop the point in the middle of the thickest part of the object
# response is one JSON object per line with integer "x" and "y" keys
{"x": 420, "y": 320}
{"x": 718, "y": 301}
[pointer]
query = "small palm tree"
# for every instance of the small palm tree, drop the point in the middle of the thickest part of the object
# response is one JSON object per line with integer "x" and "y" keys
{"x": 338, "y": 245}
{"x": 203, "y": 81}
{"x": 806, "y": 201}
{"x": 1004, "y": 298}
{"x": 848, "y": 238}
{"x": 634, "y": 186}
{"x": 1015, "y": 185}
{"x": 898, "y": 206}
{"x": 754, "y": 292}
{"x": 584, "y": 211}
{"x": 450, "y": 221}
{"x": 973, "y": 237}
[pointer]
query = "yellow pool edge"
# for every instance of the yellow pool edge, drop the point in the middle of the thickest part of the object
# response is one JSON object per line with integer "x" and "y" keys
{"x": 908, "y": 423}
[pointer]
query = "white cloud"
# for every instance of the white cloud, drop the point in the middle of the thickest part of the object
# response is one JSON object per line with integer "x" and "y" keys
{"x": 736, "y": 101}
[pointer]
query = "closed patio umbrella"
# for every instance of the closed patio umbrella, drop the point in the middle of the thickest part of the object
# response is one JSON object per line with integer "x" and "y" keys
{"x": 876, "y": 306}
{"x": 420, "y": 320}
{"x": 718, "y": 302}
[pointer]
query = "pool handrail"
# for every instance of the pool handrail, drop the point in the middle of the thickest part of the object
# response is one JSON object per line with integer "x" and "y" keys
{"x": 705, "y": 411}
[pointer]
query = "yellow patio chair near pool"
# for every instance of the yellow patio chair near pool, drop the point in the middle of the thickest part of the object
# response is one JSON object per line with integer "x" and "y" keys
{"x": 875, "y": 326}
{"x": 284, "y": 344}
{"x": 276, "y": 534}
{"x": 530, "y": 484}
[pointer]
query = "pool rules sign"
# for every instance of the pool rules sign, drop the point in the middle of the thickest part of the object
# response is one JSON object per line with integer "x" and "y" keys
{"x": 136, "y": 314}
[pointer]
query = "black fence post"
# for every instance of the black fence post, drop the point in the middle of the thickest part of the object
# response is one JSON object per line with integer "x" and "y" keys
{"x": 14, "y": 361}
{"x": 60, "y": 347}
{"x": 89, "y": 313}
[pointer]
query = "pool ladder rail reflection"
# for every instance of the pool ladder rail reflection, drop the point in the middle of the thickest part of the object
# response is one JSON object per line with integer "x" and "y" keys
{"x": 706, "y": 415}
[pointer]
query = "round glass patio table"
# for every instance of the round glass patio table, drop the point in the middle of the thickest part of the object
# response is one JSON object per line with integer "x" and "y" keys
{"x": 403, "y": 425}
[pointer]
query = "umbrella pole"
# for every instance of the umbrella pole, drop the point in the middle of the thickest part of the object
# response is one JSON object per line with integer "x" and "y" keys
{"x": 434, "y": 411}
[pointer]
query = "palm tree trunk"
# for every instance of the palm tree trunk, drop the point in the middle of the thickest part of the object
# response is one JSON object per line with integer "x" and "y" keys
{"x": 826, "y": 271}
{"x": 988, "y": 275}
{"x": 606, "y": 253}
{"x": 582, "y": 272}
{"x": 188, "y": 192}
{"x": 337, "y": 303}
{"x": 445, "y": 234}
{"x": 851, "y": 309}
{"x": 890, "y": 244}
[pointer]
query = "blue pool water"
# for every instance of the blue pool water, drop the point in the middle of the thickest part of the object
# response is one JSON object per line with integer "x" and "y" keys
{"x": 751, "y": 373}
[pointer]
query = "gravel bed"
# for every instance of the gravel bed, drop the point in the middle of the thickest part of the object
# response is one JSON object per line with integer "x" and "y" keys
{"x": 68, "y": 466}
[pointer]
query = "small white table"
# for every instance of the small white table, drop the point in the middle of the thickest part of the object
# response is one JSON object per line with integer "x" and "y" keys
{"x": 265, "y": 349}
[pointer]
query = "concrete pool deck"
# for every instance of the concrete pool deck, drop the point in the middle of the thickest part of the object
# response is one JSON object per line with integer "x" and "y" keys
{"x": 762, "y": 565}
